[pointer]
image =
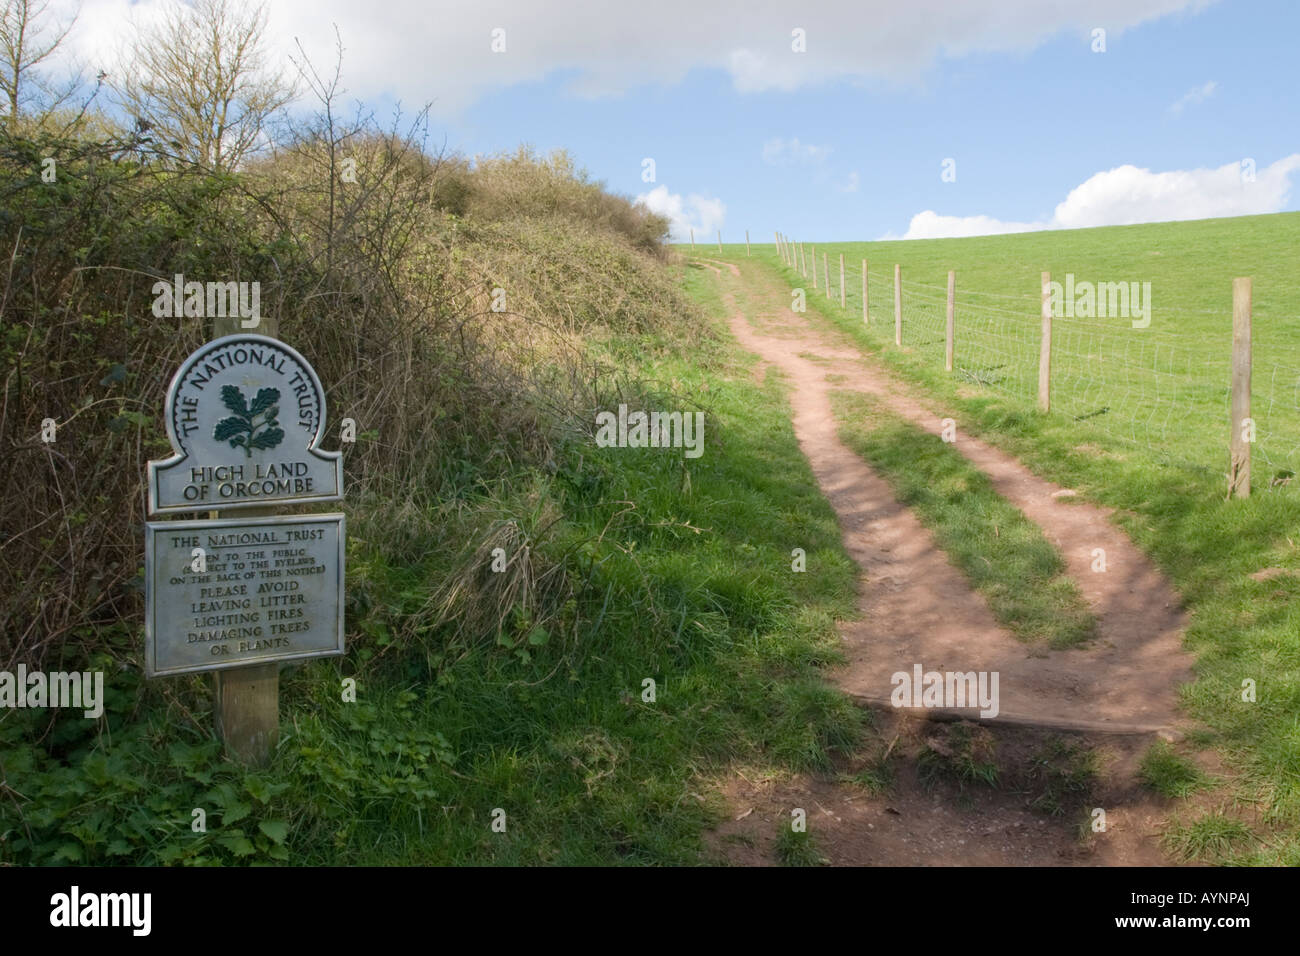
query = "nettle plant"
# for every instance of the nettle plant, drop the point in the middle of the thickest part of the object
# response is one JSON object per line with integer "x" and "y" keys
{"x": 252, "y": 426}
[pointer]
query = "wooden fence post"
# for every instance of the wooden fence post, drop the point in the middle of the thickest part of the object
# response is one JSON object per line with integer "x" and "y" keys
{"x": 947, "y": 352}
{"x": 1239, "y": 467}
{"x": 719, "y": 242}
{"x": 866, "y": 314}
{"x": 813, "y": 250}
{"x": 803, "y": 258}
{"x": 692, "y": 239}
{"x": 746, "y": 243}
{"x": 826, "y": 275}
{"x": 247, "y": 699}
{"x": 842, "y": 305}
{"x": 1045, "y": 348}
{"x": 898, "y": 304}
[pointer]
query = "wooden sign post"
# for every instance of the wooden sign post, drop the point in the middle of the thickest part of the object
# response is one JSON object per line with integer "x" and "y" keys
{"x": 246, "y": 588}
{"x": 247, "y": 699}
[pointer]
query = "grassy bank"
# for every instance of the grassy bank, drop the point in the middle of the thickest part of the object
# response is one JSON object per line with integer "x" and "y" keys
{"x": 674, "y": 570}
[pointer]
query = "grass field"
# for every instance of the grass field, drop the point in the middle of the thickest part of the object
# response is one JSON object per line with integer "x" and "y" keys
{"x": 1165, "y": 385}
{"x": 1168, "y": 489}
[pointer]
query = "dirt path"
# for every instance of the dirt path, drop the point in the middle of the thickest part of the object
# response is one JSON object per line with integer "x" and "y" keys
{"x": 916, "y": 608}
{"x": 920, "y": 609}
{"x": 717, "y": 265}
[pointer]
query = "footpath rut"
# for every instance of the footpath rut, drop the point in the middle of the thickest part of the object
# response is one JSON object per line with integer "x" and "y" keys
{"x": 917, "y": 608}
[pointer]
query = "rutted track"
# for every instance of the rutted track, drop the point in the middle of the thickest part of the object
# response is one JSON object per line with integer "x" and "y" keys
{"x": 916, "y": 608}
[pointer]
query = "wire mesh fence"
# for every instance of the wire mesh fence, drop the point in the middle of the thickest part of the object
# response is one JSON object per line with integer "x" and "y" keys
{"x": 1165, "y": 388}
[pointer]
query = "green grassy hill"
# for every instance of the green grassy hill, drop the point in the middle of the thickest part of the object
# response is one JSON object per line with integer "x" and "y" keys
{"x": 1164, "y": 386}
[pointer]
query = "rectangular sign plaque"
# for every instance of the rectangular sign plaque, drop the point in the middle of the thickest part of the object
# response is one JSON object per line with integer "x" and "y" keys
{"x": 232, "y": 592}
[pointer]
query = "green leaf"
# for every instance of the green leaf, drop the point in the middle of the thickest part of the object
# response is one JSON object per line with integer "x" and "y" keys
{"x": 267, "y": 439}
{"x": 266, "y": 397}
{"x": 228, "y": 427}
{"x": 135, "y": 418}
{"x": 234, "y": 813}
{"x": 238, "y": 844}
{"x": 258, "y": 789}
{"x": 234, "y": 400}
{"x": 224, "y": 794}
{"x": 169, "y": 854}
{"x": 116, "y": 374}
{"x": 538, "y": 636}
{"x": 277, "y": 830}
{"x": 70, "y": 852}
{"x": 442, "y": 750}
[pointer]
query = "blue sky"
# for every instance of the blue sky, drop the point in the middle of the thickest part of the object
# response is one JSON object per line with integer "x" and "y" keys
{"x": 847, "y": 139}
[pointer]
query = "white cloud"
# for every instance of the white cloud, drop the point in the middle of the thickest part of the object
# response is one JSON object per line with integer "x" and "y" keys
{"x": 931, "y": 225}
{"x": 704, "y": 214}
{"x": 850, "y": 184}
{"x": 418, "y": 50}
{"x": 1127, "y": 195}
{"x": 1193, "y": 97}
{"x": 791, "y": 152}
